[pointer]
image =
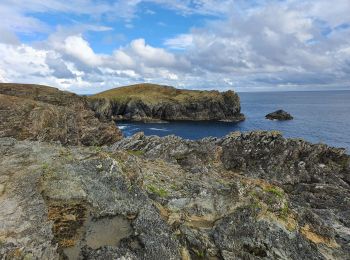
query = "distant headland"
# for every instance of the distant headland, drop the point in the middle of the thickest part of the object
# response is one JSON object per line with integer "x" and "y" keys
{"x": 151, "y": 102}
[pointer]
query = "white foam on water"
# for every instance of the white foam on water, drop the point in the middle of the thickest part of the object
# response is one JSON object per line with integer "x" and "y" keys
{"x": 158, "y": 129}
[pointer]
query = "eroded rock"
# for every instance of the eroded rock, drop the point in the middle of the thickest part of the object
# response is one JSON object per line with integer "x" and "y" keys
{"x": 244, "y": 196}
{"x": 46, "y": 114}
{"x": 152, "y": 103}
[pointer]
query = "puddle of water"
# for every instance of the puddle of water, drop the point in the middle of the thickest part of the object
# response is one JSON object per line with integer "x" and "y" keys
{"x": 72, "y": 252}
{"x": 107, "y": 232}
{"x": 102, "y": 232}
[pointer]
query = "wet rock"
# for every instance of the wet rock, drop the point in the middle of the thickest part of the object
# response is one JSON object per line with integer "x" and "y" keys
{"x": 280, "y": 115}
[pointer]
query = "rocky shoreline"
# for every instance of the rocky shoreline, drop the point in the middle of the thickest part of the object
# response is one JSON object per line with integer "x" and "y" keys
{"x": 72, "y": 188}
{"x": 43, "y": 113}
{"x": 244, "y": 196}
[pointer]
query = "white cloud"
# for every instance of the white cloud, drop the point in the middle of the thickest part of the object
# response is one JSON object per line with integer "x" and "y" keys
{"x": 150, "y": 55}
{"x": 123, "y": 59}
{"x": 79, "y": 48}
{"x": 268, "y": 44}
{"x": 180, "y": 42}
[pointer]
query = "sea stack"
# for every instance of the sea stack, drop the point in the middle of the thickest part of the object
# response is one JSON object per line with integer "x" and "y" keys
{"x": 280, "y": 115}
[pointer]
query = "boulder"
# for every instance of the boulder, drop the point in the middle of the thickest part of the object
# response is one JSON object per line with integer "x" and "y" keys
{"x": 280, "y": 115}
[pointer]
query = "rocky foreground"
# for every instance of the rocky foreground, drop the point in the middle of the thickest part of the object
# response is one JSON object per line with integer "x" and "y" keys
{"x": 47, "y": 114}
{"x": 150, "y": 102}
{"x": 245, "y": 196}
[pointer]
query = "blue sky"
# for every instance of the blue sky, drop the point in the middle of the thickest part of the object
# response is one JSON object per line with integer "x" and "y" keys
{"x": 88, "y": 46}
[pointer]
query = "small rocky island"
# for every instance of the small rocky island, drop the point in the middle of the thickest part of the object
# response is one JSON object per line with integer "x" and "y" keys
{"x": 150, "y": 102}
{"x": 280, "y": 115}
{"x": 72, "y": 188}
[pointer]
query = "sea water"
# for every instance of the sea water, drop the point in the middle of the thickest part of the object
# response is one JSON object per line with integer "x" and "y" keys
{"x": 319, "y": 117}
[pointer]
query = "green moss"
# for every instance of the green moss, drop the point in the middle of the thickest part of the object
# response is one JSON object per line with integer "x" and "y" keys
{"x": 136, "y": 152}
{"x": 256, "y": 205}
{"x": 67, "y": 154}
{"x": 158, "y": 191}
{"x": 97, "y": 149}
{"x": 45, "y": 166}
{"x": 174, "y": 187}
{"x": 275, "y": 191}
{"x": 199, "y": 253}
{"x": 284, "y": 211}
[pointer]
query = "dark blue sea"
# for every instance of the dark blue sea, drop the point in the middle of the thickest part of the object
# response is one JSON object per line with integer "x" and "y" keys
{"x": 319, "y": 117}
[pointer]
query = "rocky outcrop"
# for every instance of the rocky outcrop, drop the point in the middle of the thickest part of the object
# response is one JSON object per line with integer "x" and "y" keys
{"x": 42, "y": 113}
{"x": 147, "y": 102}
{"x": 280, "y": 115}
{"x": 250, "y": 195}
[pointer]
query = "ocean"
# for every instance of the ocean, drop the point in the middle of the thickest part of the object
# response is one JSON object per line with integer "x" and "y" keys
{"x": 319, "y": 117}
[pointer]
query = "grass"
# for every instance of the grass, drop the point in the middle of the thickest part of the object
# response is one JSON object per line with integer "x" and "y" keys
{"x": 152, "y": 93}
{"x": 67, "y": 154}
{"x": 256, "y": 205}
{"x": 284, "y": 211}
{"x": 275, "y": 191}
{"x": 45, "y": 166}
{"x": 158, "y": 191}
{"x": 136, "y": 152}
{"x": 199, "y": 254}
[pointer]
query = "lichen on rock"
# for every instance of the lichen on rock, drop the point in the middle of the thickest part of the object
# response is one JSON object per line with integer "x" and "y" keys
{"x": 244, "y": 196}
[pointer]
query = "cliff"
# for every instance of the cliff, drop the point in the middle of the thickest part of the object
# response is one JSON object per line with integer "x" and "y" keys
{"x": 43, "y": 113}
{"x": 249, "y": 195}
{"x": 149, "y": 102}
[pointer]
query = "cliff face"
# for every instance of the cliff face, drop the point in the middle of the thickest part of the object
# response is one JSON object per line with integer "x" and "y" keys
{"x": 244, "y": 196}
{"x": 147, "y": 102}
{"x": 47, "y": 114}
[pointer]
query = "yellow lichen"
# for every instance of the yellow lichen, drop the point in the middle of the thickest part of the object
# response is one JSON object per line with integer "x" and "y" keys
{"x": 309, "y": 234}
{"x": 185, "y": 255}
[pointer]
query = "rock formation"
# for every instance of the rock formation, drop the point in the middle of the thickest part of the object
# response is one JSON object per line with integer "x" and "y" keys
{"x": 279, "y": 115}
{"x": 43, "y": 113}
{"x": 250, "y": 195}
{"x": 148, "y": 102}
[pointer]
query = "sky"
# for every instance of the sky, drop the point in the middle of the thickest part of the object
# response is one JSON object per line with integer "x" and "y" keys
{"x": 87, "y": 46}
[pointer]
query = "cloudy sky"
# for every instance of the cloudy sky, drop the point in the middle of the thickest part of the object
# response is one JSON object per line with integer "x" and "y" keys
{"x": 87, "y": 46}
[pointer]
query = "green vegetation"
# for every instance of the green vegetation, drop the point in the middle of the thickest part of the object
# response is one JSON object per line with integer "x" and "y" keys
{"x": 275, "y": 191}
{"x": 47, "y": 169}
{"x": 284, "y": 211}
{"x": 97, "y": 149}
{"x": 153, "y": 94}
{"x": 136, "y": 152}
{"x": 45, "y": 166}
{"x": 158, "y": 191}
{"x": 67, "y": 154}
{"x": 198, "y": 253}
{"x": 256, "y": 204}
